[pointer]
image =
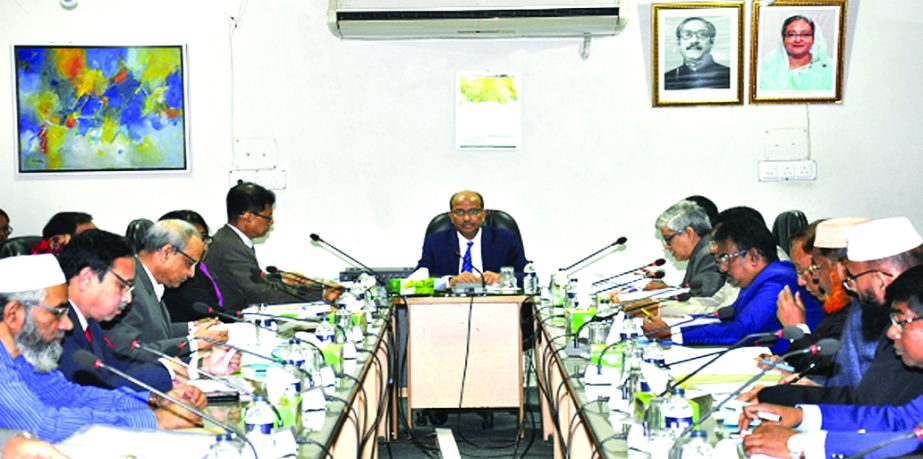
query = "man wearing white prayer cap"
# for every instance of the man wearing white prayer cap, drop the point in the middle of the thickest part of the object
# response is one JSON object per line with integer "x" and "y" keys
{"x": 34, "y": 396}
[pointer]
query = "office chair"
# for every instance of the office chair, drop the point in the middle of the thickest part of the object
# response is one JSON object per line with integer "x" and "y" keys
{"x": 786, "y": 225}
{"x": 494, "y": 218}
{"x": 135, "y": 233}
{"x": 21, "y": 245}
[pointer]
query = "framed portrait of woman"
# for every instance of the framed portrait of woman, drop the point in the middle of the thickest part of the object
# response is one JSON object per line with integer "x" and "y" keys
{"x": 697, "y": 53}
{"x": 797, "y": 49}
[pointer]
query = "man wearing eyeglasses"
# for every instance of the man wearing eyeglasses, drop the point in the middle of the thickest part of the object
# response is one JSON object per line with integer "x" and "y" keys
{"x": 34, "y": 396}
{"x": 171, "y": 249}
{"x": 232, "y": 258}
{"x": 461, "y": 253}
{"x": 824, "y": 430}
{"x": 878, "y": 252}
{"x": 746, "y": 252}
{"x": 5, "y": 228}
{"x": 695, "y": 37}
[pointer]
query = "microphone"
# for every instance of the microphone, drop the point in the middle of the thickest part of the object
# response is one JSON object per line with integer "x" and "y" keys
{"x": 204, "y": 309}
{"x": 278, "y": 272}
{"x": 917, "y": 433}
{"x": 657, "y": 262}
{"x": 136, "y": 345}
{"x": 619, "y": 241}
{"x": 789, "y": 333}
{"x": 654, "y": 275}
{"x": 257, "y": 275}
{"x": 378, "y": 276}
{"x": 88, "y": 361}
{"x": 824, "y": 347}
{"x": 725, "y": 313}
{"x": 483, "y": 282}
{"x": 693, "y": 285}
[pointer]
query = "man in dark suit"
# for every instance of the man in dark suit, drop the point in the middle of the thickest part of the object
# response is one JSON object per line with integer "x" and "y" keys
{"x": 695, "y": 37}
{"x": 685, "y": 229}
{"x": 172, "y": 249}
{"x": 232, "y": 259}
{"x": 457, "y": 252}
{"x": 100, "y": 273}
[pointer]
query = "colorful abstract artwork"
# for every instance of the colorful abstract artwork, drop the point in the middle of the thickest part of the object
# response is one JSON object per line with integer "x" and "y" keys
{"x": 100, "y": 108}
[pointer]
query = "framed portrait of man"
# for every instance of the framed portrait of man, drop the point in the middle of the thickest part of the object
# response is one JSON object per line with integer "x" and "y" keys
{"x": 797, "y": 50}
{"x": 697, "y": 53}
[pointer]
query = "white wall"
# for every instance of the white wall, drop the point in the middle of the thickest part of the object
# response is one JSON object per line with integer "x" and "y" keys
{"x": 365, "y": 130}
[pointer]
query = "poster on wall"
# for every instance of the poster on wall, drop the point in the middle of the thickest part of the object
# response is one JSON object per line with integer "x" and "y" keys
{"x": 488, "y": 113}
{"x": 697, "y": 53}
{"x": 100, "y": 109}
{"x": 797, "y": 51}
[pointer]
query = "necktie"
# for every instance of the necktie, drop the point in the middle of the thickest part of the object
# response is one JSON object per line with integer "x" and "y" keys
{"x": 88, "y": 335}
{"x": 208, "y": 275}
{"x": 466, "y": 261}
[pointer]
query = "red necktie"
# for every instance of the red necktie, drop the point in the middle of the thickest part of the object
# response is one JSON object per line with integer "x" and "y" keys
{"x": 86, "y": 333}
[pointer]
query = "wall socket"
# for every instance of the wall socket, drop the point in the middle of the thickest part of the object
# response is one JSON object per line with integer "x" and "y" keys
{"x": 787, "y": 171}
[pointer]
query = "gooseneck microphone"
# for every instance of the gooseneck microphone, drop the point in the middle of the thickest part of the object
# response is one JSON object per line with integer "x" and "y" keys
{"x": 723, "y": 314}
{"x": 789, "y": 333}
{"x": 276, "y": 271}
{"x": 204, "y": 309}
{"x": 824, "y": 347}
{"x": 136, "y": 345}
{"x": 475, "y": 268}
{"x": 88, "y": 361}
{"x": 257, "y": 275}
{"x": 619, "y": 241}
{"x": 381, "y": 280}
{"x": 654, "y": 275}
{"x": 917, "y": 433}
{"x": 657, "y": 262}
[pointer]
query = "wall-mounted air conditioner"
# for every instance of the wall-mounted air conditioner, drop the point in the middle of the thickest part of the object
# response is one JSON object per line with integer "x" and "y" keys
{"x": 396, "y": 19}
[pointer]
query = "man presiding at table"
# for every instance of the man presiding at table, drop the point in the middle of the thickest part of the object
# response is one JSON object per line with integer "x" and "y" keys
{"x": 461, "y": 253}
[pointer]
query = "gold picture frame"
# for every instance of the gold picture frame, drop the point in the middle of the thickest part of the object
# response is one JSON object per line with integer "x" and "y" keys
{"x": 810, "y": 35}
{"x": 704, "y": 66}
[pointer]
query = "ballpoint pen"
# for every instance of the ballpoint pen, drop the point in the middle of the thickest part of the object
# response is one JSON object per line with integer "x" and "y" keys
{"x": 802, "y": 373}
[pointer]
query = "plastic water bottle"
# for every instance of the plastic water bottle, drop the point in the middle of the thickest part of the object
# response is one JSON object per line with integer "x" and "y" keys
{"x": 677, "y": 412}
{"x": 259, "y": 420}
{"x": 570, "y": 293}
{"x": 530, "y": 280}
{"x": 224, "y": 447}
{"x": 324, "y": 333}
{"x": 653, "y": 354}
{"x": 698, "y": 447}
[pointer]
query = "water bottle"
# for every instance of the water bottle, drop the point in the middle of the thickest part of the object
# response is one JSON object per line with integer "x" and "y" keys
{"x": 259, "y": 420}
{"x": 633, "y": 379}
{"x": 698, "y": 447}
{"x": 324, "y": 333}
{"x": 289, "y": 403}
{"x": 654, "y": 354}
{"x": 224, "y": 447}
{"x": 344, "y": 321}
{"x": 530, "y": 280}
{"x": 677, "y": 412}
{"x": 570, "y": 293}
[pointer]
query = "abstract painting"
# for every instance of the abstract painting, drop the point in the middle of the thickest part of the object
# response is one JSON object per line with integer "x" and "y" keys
{"x": 100, "y": 108}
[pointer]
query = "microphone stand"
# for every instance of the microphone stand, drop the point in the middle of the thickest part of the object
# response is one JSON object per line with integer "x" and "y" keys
{"x": 657, "y": 262}
{"x": 316, "y": 238}
{"x": 208, "y": 375}
{"x": 619, "y": 241}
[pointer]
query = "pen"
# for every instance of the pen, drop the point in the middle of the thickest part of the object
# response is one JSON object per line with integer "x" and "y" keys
{"x": 780, "y": 366}
{"x": 802, "y": 373}
{"x": 645, "y": 312}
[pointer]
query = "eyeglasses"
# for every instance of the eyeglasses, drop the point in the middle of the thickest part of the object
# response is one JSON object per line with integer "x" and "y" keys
{"x": 810, "y": 269}
{"x": 59, "y": 311}
{"x": 268, "y": 218}
{"x": 900, "y": 323}
{"x": 667, "y": 240}
{"x": 127, "y": 285}
{"x": 700, "y": 34}
{"x": 470, "y": 212}
{"x": 6, "y": 229}
{"x": 190, "y": 262}
{"x": 207, "y": 239}
{"x": 850, "y": 282}
{"x": 727, "y": 257}
{"x": 794, "y": 35}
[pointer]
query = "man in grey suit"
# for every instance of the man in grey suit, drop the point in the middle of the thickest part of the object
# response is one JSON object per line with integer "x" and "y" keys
{"x": 232, "y": 259}
{"x": 172, "y": 248}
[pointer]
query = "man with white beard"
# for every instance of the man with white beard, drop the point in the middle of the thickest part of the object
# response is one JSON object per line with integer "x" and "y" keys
{"x": 34, "y": 396}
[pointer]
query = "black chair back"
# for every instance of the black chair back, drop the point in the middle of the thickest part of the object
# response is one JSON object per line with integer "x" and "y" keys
{"x": 16, "y": 246}
{"x": 495, "y": 219}
{"x": 135, "y": 232}
{"x": 786, "y": 225}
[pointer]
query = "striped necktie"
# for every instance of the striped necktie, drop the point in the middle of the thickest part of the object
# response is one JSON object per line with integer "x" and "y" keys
{"x": 466, "y": 261}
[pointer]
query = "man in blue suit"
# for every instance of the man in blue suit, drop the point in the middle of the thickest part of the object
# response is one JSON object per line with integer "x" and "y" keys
{"x": 825, "y": 430}
{"x": 462, "y": 252}
{"x": 100, "y": 272}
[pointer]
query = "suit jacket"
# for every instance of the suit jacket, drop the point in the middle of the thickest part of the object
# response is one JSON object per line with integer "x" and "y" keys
{"x": 886, "y": 382}
{"x": 881, "y": 423}
{"x": 146, "y": 320}
{"x": 198, "y": 289}
{"x": 499, "y": 247}
{"x": 709, "y": 75}
{"x": 75, "y": 340}
{"x": 232, "y": 264}
{"x": 703, "y": 270}
{"x": 831, "y": 326}
{"x": 755, "y": 309}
